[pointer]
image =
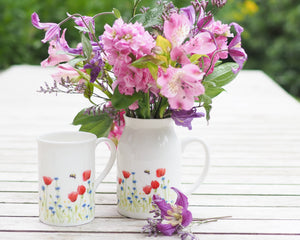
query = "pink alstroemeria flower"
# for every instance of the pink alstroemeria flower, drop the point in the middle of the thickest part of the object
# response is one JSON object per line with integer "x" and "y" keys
{"x": 55, "y": 51}
{"x": 177, "y": 28}
{"x": 67, "y": 72}
{"x": 202, "y": 43}
{"x": 174, "y": 216}
{"x": 52, "y": 29}
{"x": 181, "y": 85}
{"x": 235, "y": 50}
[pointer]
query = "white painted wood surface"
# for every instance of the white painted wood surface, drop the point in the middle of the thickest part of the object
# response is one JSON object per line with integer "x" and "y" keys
{"x": 254, "y": 138}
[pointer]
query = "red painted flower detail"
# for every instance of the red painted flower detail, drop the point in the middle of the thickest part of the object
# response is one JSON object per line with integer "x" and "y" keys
{"x": 86, "y": 175}
{"x": 81, "y": 189}
{"x": 126, "y": 174}
{"x": 73, "y": 196}
{"x": 147, "y": 189}
{"x": 160, "y": 172}
{"x": 120, "y": 180}
{"x": 155, "y": 184}
{"x": 47, "y": 180}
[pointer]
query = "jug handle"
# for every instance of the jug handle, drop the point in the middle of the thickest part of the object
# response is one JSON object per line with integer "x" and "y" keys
{"x": 110, "y": 162}
{"x": 201, "y": 178}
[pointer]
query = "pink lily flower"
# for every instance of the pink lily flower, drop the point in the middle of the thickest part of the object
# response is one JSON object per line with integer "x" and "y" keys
{"x": 67, "y": 72}
{"x": 177, "y": 29}
{"x": 55, "y": 52}
{"x": 202, "y": 43}
{"x": 181, "y": 85}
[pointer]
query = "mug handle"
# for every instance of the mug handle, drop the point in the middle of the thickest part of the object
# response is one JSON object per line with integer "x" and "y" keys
{"x": 111, "y": 160}
{"x": 201, "y": 178}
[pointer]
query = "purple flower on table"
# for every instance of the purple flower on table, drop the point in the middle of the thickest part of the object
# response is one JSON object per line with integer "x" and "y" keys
{"x": 174, "y": 217}
{"x": 235, "y": 50}
{"x": 184, "y": 118}
{"x": 52, "y": 29}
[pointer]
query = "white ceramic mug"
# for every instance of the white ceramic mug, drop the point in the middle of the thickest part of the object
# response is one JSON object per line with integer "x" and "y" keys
{"x": 67, "y": 181}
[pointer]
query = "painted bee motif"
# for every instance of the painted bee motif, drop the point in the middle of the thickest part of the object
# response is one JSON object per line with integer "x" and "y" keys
{"x": 73, "y": 175}
{"x": 147, "y": 171}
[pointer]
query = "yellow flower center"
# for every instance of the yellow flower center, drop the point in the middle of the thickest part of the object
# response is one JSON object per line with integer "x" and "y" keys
{"x": 174, "y": 216}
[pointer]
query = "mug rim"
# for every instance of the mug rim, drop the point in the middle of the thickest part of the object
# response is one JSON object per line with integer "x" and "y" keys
{"x": 65, "y": 137}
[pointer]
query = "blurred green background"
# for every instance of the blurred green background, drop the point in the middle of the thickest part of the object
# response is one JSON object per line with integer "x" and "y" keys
{"x": 271, "y": 37}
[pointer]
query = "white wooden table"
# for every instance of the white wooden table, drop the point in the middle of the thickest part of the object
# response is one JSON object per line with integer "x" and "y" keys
{"x": 254, "y": 137}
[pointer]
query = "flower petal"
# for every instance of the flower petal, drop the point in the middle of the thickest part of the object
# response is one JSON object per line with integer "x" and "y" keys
{"x": 182, "y": 200}
{"x": 187, "y": 218}
{"x": 162, "y": 205}
{"x": 166, "y": 229}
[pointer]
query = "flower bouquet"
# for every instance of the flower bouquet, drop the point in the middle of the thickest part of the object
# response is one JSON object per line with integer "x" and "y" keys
{"x": 164, "y": 62}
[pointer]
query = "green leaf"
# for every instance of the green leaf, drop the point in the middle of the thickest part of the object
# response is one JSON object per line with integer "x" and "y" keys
{"x": 163, "y": 106}
{"x": 194, "y": 58}
{"x": 100, "y": 124}
{"x": 150, "y": 18}
{"x": 206, "y": 102}
{"x": 88, "y": 92}
{"x": 122, "y": 101}
{"x": 86, "y": 46}
{"x": 222, "y": 74}
{"x": 143, "y": 61}
{"x": 82, "y": 29}
{"x": 116, "y": 13}
{"x": 149, "y": 62}
{"x": 213, "y": 92}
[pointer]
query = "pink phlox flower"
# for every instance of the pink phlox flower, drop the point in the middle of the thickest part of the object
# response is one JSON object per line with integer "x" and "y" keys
{"x": 175, "y": 216}
{"x": 181, "y": 85}
{"x": 52, "y": 29}
{"x": 235, "y": 50}
{"x": 177, "y": 29}
{"x": 56, "y": 54}
{"x": 125, "y": 39}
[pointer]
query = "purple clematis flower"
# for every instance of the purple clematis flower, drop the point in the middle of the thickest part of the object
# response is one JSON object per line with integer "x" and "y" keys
{"x": 174, "y": 217}
{"x": 235, "y": 50}
{"x": 52, "y": 29}
{"x": 184, "y": 118}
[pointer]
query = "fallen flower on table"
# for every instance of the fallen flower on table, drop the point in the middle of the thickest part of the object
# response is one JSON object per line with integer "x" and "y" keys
{"x": 173, "y": 219}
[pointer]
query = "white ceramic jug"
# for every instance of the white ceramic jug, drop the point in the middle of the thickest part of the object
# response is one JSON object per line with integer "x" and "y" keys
{"x": 149, "y": 162}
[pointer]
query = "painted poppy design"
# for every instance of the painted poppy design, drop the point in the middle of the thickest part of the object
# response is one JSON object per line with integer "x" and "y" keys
{"x": 147, "y": 189}
{"x": 73, "y": 196}
{"x": 86, "y": 175}
{"x": 160, "y": 172}
{"x": 120, "y": 180}
{"x": 126, "y": 174}
{"x": 47, "y": 180}
{"x": 155, "y": 184}
{"x": 81, "y": 189}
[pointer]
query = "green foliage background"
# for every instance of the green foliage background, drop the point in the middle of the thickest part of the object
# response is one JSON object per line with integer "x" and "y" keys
{"x": 271, "y": 37}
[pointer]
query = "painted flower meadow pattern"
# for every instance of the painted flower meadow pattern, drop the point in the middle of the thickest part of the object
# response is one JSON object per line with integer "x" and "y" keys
{"x": 139, "y": 199}
{"x": 78, "y": 207}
